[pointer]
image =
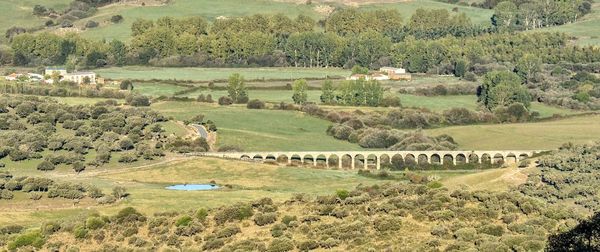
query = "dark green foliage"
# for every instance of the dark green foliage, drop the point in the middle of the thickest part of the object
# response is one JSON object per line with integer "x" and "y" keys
{"x": 225, "y": 100}
{"x": 255, "y": 104}
{"x": 116, "y": 19}
{"x": 281, "y": 245}
{"x": 183, "y": 221}
{"x": 126, "y": 85}
{"x": 228, "y": 231}
{"x": 584, "y": 237}
{"x": 45, "y": 166}
{"x": 262, "y": 219}
{"x": 78, "y": 167}
{"x": 502, "y": 88}
{"x": 94, "y": 223}
{"x": 342, "y": 194}
{"x": 138, "y": 100}
{"x": 201, "y": 214}
{"x": 236, "y": 89}
{"x": 233, "y": 213}
{"x": 128, "y": 215}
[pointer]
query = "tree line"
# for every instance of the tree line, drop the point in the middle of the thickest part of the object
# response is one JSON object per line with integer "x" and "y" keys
{"x": 431, "y": 40}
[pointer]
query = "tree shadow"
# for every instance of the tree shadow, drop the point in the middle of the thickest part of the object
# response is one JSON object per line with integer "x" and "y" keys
{"x": 584, "y": 237}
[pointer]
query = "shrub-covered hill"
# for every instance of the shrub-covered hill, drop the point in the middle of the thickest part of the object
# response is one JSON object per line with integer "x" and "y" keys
{"x": 53, "y": 134}
{"x": 570, "y": 174}
{"x": 386, "y": 217}
{"x": 393, "y": 217}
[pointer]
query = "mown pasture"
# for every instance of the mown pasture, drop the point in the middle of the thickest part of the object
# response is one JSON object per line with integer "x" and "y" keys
{"x": 539, "y": 135}
{"x": 259, "y": 129}
{"x": 212, "y": 74}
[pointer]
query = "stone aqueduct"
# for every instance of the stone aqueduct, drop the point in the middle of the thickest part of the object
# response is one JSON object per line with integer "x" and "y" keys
{"x": 374, "y": 159}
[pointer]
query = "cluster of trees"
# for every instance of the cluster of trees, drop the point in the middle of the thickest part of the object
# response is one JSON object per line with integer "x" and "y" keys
{"x": 351, "y": 37}
{"x": 60, "y": 134}
{"x": 354, "y": 93}
{"x": 526, "y": 15}
{"x": 367, "y": 217}
{"x": 37, "y": 188}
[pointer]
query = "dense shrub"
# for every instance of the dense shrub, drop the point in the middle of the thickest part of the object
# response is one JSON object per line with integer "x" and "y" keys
{"x": 233, "y": 213}
{"x": 255, "y": 104}
{"x": 34, "y": 239}
{"x": 45, "y": 166}
{"x": 225, "y": 100}
{"x": 281, "y": 245}
{"x": 262, "y": 219}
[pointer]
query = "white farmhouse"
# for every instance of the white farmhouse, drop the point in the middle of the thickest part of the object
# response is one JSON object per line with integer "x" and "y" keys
{"x": 80, "y": 77}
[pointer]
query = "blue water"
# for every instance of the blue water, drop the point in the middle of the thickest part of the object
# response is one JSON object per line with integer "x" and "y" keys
{"x": 193, "y": 187}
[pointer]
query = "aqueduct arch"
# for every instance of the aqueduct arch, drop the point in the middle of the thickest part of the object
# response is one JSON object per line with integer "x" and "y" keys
{"x": 375, "y": 159}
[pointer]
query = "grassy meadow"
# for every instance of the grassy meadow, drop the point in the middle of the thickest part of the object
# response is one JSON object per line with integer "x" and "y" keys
{"x": 259, "y": 129}
{"x": 20, "y": 13}
{"x": 185, "y": 8}
{"x": 211, "y": 74}
{"x": 146, "y": 183}
{"x": 540, "y": 135}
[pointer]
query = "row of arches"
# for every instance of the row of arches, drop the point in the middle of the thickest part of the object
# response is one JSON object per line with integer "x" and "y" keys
{"x": 375, "y": 161}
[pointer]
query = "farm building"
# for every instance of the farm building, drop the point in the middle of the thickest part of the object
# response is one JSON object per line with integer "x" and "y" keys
{"x": 81, "y": 77}
{"x": 395, "y": 73}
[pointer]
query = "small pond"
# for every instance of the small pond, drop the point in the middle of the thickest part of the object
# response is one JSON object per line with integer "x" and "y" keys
{"x": 193, "y": 187}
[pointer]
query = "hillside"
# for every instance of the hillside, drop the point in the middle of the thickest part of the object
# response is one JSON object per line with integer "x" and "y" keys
{"x": 19, "y": 13}
{"x": 211, "y": 10}
{"x": 585, "y": 30}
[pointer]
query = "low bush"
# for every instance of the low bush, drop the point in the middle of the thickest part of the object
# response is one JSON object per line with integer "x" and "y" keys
{"x": 45, "y": 166}
{"x": 225, "y": 100}
{"x": 281, "y": 245}
{"x": 255, "y": 104}
{"x": 34, "y": 239}
{"x": 262, "y": 219}
{"x": 233, "y": 213}
{"x": 183, "y": 221}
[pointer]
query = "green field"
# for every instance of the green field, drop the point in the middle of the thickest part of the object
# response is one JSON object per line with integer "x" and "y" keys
{"x": 20, "y": 13}
{"x": 210, "y": 74}
{"x": 146, "y": 184}
{"x": 587, "y": 29}
{"x": 259, "y": 129}
{"x": 541, "y": 135}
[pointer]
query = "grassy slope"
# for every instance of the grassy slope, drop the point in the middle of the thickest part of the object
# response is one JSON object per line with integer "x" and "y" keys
{"x": 212, "y": 9}
{"x": 477, "y": 15}
{"x": 542, "y": 135}
{"x": 19, "y": 12}
{"x": 587, "y": 29}
{"x": 208, "y": 74}
{"x": 259, "y": 129}
{"x": 184, "y": 8}
{"x": 250, "y": 181}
